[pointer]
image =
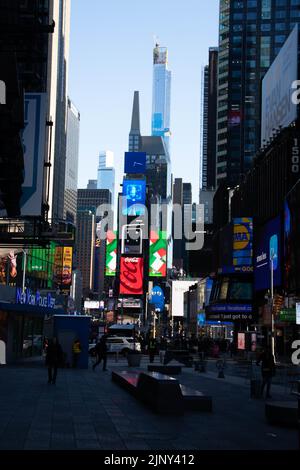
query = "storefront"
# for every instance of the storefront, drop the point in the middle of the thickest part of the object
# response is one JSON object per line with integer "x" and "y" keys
{"x": 22, "y": 325}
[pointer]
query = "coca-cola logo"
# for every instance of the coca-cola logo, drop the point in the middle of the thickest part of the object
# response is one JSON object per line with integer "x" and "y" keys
{"x": 131, "y": 276}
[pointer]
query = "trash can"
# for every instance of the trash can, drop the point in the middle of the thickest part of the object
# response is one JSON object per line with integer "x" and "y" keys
{"x": 255, "y": 388}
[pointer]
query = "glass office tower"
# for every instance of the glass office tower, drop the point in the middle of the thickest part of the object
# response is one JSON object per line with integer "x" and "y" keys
{"x": 106, "y": 172}
{"x": 251, "y": 33}
{"x": 161, "y": 94}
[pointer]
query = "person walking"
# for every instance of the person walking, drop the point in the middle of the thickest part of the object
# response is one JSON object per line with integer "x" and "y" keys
{"x": 152, "y": 349}
{"x": 76, "y": 350}
{"x": 101, "y": 352}
{"x": 267, "y": 370}
{"x": 54, "y": 357}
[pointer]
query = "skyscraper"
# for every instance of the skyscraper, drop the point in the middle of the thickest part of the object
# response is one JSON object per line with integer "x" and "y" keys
{"x": 59, "y": 67}
{"x": 161, "y": 98}
{"x": 158, "y": 168}
{"x": 89, "y": 262}
{"x": 106, "y": 172}
{"x": 209, "y": 113}
{"x": 251, "y": 34}
{"x": 72, "y": 153}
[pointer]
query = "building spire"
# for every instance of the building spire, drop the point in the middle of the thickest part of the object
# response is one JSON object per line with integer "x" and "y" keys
{"x": 135, "y": 121}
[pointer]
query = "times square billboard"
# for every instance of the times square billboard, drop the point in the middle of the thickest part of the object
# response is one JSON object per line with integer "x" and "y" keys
{"x": 277, "y": 108}
{"x": 131, "y": 275}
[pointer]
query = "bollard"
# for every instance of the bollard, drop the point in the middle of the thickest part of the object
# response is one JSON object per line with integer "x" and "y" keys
{"x": 220, "y": 365}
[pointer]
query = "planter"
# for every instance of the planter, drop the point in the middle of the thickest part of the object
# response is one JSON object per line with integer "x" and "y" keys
{"x": 134, "y": 359}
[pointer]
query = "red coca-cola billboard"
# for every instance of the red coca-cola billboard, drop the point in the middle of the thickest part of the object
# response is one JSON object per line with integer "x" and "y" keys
{"x": 131, "y": 275}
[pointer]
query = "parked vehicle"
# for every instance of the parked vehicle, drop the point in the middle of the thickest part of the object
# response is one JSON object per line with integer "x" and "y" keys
{"x": 118, "y": 344}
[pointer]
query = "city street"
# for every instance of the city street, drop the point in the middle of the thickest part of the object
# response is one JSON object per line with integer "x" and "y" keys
{"x": 85, "y": 410}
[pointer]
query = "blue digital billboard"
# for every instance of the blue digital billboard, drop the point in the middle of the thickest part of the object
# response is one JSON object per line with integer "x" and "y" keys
{"x": 158, "y": 298}
{"x": 134, "y": 197}
{"x": 268, "y": 247}
{"x": 135, "y": 163}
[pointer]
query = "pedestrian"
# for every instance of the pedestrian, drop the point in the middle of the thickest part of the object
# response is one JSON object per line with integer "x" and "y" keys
{"x": 54, "y": 355}
{"x": 152, "y": 348}
{"x": 101, "y": 352}
{"x": 76, "y": 350}
{"x": 267, "y": 370}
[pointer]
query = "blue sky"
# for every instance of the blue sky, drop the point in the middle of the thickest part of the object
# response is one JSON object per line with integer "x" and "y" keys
{"x": 111, "y": 56}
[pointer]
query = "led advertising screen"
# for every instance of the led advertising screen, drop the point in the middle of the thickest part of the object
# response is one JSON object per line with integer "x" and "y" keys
{"x": 135, "y": 163}
{"x": 67, "y": 266}
{"x": 111, "y": 253}
{"x": 268, "y": 246}
{"x": 242, "y": 243}
{"x": 131, "y": 275}
{"x": 278, "y": 109}
{"x": 158, "y": 254}
{"x": 134, "y": 197}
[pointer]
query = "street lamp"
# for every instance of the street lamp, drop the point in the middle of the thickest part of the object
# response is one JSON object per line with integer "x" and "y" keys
{"x": 273, "y": 256}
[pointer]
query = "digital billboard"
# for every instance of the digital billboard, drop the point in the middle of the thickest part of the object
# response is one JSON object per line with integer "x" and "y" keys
{"x": 134, "y": 197}
{"x": 178, "y": 290}
{"x": 57, "y": 266}
{"x": 131, "y": 275}
{"x": 67, "y": 263}
{"x": 268, "y": 246}
{"x": 111, "y": 253}
{"x": 242, "y": 243}
{"x": 278, "y": 109}
{"x": 33, "y": 136}
{"x": 158, "y": 254}
{"x": 135, "y": 163}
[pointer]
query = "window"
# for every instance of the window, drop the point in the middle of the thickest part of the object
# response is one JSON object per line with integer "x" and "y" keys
{"x": 266, "y": 9}
{"x": 265, "y": 27}
{"x": 280, "y": 27}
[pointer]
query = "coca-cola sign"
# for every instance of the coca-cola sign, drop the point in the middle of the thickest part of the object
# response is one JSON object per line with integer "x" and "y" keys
{"x": 131, "y": 275}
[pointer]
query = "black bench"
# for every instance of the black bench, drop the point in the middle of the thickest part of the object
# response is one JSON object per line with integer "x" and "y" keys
{"x": 162, "y": 393}
{"x": 283, "y": 413}
{"x": 165, "y": 369}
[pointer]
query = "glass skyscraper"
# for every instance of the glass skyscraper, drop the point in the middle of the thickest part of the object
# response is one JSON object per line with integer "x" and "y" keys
{"x": 161, "y": 94}
{"x": 106, "y": 172}
{"x": 251, "y": 33}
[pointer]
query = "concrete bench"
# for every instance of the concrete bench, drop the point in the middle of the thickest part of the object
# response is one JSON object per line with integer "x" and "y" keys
{"x": 165, "y": 369}
{"x": 194, "y": 400}
{"x": 284, "y": 413}
{"x": 162, "y": 393}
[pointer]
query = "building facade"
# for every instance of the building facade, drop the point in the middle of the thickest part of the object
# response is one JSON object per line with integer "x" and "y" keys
{"x": 209, "y": 114}
{"x": 88, "y": 247}
{"x": 161, "y": 98}
{"x": 106, "y": 172}
{"x": 251, "y": 34}
{"x": 72, "y": 155}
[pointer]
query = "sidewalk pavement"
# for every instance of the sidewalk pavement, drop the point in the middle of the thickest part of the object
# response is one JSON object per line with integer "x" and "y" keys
{"x": 85, "y": 410}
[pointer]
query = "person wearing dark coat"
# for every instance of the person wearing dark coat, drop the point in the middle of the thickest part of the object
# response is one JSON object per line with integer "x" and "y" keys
{"x": 267, "y": 370}
{"x": 101, "y": 352}
{"x": 54, "y": 357}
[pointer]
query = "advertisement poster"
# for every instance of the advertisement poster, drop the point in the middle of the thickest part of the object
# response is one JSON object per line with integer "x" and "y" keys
{"x": 67, "y": 266}
{"x": 268, "y": 246}
{"x": 158, "y": 254}
{"x": 278, "y": 109}
{"x": 111, "y": 253}
{"x": 134, "y": 197}
{"x": 241, "y": 341}
{"x": 57, "y": 267}
{"x": 242, "y": 243}
{"x": 131, "y": 276}
{"x": 34, "y": 154}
